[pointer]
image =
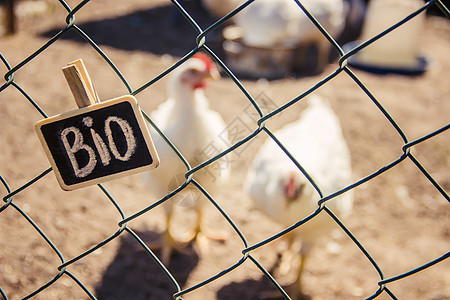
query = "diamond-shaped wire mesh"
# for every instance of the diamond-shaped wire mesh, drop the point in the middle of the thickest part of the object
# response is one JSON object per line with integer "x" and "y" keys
{"x": 36, "y": 212}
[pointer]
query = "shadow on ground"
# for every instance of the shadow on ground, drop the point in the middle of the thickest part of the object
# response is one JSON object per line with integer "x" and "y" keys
{"x": 159, "y": 30}
{"x": 252, "y": 289}
{"x": 133, "y": 274}
{"x": 246, "y": 290}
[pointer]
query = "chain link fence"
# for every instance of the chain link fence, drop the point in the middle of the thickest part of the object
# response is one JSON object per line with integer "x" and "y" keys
{"x": 63, "y": 269}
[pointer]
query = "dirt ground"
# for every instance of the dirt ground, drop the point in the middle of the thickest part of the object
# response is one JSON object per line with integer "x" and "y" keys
{"x": 399, "y": 217}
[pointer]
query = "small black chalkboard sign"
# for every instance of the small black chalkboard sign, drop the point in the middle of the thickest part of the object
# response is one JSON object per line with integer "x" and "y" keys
{"x": 97, "y": 143}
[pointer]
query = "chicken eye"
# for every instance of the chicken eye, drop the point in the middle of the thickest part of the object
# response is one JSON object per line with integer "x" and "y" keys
{"x": 193, "y": 72}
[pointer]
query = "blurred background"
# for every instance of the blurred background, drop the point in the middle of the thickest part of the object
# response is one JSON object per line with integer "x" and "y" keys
{"x": 399, "y": 216}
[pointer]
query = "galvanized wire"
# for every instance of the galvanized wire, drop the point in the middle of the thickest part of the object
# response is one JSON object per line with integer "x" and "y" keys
{"x": 201, "y": 45}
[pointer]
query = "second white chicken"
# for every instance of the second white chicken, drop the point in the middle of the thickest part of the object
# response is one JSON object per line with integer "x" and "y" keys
{"x": 279, "y": 189}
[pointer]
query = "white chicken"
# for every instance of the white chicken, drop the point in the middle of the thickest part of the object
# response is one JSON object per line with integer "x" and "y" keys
{"x": 199, "y": 133}
{"x": 282, "y": 24}
{"x": 279, "y": 189}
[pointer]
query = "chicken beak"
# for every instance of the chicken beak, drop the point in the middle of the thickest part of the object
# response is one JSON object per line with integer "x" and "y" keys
{"x": 213, "y": 74}
{"x": 210, "y": 74}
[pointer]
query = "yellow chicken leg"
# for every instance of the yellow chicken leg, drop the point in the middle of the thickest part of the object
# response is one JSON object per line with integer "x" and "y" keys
{"x": 295, "y": 289}
{"x": 201, "y": 234}
{"x": 167, "y": 244}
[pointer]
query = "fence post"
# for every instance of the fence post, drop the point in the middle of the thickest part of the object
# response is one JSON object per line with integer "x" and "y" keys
{"x": 10, "y": 20}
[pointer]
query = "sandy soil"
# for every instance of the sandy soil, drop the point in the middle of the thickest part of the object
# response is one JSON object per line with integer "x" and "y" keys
{"x": 399, "y": 217}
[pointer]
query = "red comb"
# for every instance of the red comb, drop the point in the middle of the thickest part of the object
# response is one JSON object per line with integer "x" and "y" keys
{"x": 205, "y": 59}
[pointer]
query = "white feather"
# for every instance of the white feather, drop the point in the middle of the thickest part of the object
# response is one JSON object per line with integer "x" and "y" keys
{"x": 272, "y": 23}
{"x": 198, "y": 132}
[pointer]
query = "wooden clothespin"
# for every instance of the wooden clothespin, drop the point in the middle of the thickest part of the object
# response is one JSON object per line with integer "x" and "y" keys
{"x": 84, "y": 147}
{"x": 80, "y": 83}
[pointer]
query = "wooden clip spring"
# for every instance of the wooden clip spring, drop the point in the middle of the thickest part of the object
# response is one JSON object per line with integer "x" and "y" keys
{"x": 80, "y": 83}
